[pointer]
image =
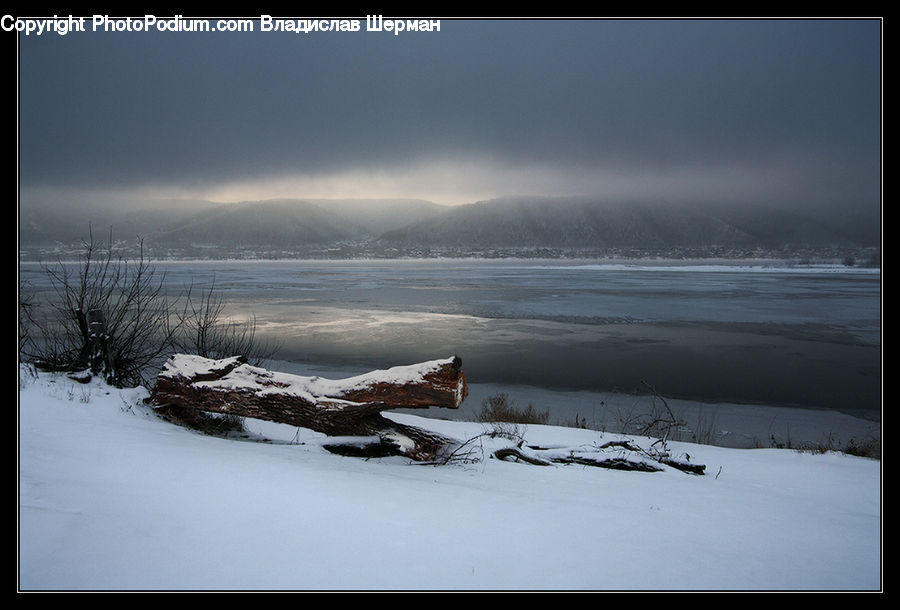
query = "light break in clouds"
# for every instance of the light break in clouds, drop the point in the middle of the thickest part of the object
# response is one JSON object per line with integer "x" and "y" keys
{"x": 774, "y": 110}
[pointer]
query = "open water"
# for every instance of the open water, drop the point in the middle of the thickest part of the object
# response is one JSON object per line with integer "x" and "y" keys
{"x": 748, "y": 334}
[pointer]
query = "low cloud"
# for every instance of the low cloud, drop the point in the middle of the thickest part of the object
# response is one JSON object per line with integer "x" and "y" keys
{"x": 452, "y": 182}
{"x": 724, "y": 110}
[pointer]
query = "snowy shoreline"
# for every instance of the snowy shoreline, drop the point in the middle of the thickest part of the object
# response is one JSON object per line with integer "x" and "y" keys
{"x": 767, "y": 265}
{"x": 733, "y": 425}
{"x": 113, "y": 498}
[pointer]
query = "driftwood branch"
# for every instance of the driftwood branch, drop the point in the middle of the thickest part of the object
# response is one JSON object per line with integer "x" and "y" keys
{"x": 343, "y": 408}
{"x": 613, "y": 455}
{"x": 349, "y": 411}
{"x": 517, "y": 455}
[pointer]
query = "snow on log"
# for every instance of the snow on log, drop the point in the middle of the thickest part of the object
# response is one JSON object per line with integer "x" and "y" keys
{"x": 346, "y": 407}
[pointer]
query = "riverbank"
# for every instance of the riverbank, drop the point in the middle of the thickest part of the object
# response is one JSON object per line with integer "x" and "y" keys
{"x": 111, "y": 497}
{"x": 734, "y": 425}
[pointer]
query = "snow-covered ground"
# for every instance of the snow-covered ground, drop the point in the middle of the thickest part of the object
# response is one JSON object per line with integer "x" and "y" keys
{"x": 112, "y": 497}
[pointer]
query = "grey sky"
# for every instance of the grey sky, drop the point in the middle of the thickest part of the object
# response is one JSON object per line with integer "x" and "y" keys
{"x": 737, "y": 110}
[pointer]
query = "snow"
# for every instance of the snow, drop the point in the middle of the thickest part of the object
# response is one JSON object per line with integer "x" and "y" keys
{"x": 310, "y": 388}
{"x": 767, "y": 268}
{"x": 113, "y": 498}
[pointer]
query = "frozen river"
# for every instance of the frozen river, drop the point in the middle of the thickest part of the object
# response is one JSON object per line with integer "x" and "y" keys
{"x": 749, "y": 334}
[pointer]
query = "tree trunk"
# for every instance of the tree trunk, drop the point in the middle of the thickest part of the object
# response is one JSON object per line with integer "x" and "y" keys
{"x": 347, "y": 407}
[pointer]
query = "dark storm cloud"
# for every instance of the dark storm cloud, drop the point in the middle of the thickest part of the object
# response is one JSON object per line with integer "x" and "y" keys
{"x": 793, "y": 102}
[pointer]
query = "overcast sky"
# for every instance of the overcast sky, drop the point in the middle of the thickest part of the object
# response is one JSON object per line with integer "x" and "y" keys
{"x": 734, "y": 110}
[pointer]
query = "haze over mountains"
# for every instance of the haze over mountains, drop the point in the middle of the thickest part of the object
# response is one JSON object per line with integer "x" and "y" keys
{"x": 406, "y": 227}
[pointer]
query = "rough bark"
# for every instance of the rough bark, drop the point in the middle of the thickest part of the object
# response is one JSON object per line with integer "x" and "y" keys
{"x": 348, "y": 407}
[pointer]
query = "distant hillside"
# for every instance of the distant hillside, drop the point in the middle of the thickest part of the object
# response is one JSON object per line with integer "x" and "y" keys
{"x": 373, "y": 217}
{"x": 273, "y": 223}
{"x": 590, "y": 223}
{"x": 284, "y": 223}
{"x": 292, "y": 223}
{"x": 406, "y": 227}
{"x": 44, "y": 225}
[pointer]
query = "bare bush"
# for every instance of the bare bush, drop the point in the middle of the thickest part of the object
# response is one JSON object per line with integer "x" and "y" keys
{"x": 205, "y": 331}
{"x": 499, "y": 408}
{"x": 868, "y": 447}
{"x": 111, "y": 316}
{"x": 657, "y": 421}
{"x": 472, "y": 450}
{"x": 107, "y": 314}
{"x": 26, "y": 312}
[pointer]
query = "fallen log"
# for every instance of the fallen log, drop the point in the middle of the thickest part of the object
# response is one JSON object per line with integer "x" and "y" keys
{"x": 345, "y": 408}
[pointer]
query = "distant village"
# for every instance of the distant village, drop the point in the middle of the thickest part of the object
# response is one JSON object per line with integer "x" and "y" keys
{"x": 868, "y": 257}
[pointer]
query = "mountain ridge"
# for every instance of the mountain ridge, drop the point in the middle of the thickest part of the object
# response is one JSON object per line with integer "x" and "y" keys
{"x": 595, "y": 223}
{"x": 403, "y": 226}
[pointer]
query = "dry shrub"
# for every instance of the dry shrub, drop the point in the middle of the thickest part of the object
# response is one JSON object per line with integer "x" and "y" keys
{"x": 499, "y": 408}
